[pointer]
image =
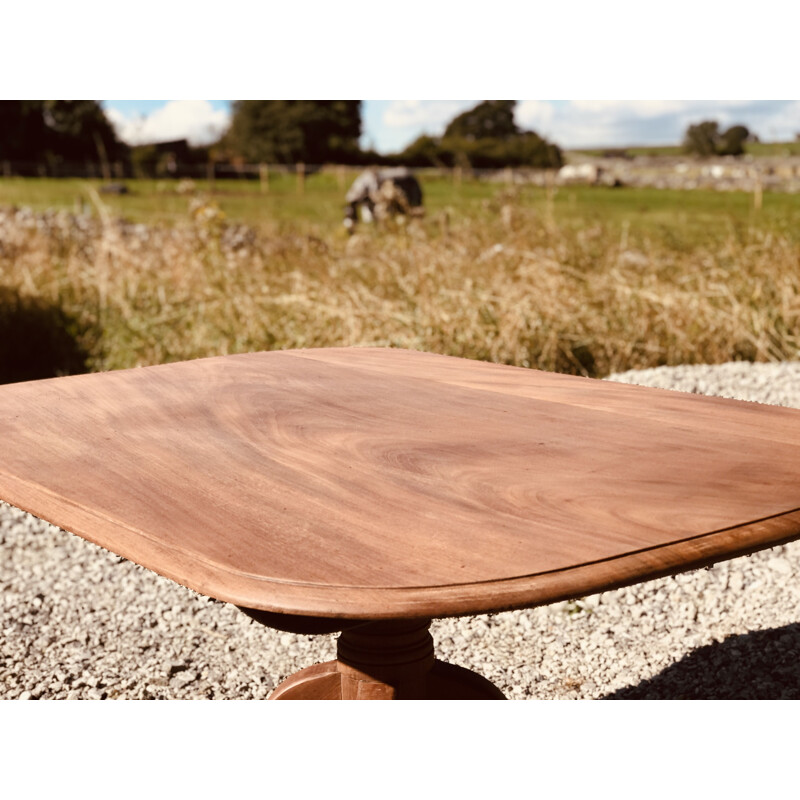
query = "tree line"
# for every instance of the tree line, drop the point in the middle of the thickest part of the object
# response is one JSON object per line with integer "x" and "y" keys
{"x": 56, "y": 133}
{"x": 317, "y": 132}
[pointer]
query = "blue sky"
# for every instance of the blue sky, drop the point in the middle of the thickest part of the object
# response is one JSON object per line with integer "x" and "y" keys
{"x": 389, "y": 125}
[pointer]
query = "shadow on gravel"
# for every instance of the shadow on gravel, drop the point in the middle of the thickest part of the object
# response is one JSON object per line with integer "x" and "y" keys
{"x": 761, "y": 665}
{"x": 37, "y": 340}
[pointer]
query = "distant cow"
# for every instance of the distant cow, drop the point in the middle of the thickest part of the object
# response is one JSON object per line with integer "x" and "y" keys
{"x": 590, "y": 174}
{"x": 381, "y": 194}
{"x": 579, "y": 173}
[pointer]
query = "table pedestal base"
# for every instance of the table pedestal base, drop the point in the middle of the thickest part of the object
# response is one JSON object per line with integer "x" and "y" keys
{"x": 387, "y": 660}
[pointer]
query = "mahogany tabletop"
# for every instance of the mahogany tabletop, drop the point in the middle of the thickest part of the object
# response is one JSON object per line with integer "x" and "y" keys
{"x": 368, "y": 483}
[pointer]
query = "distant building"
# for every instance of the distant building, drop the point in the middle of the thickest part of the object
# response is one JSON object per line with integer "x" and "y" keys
{"x": 172, "y": 153}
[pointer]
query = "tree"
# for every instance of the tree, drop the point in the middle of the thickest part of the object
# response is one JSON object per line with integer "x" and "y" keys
{"x": 79, "y": 129}
{"x": 56, "y": 130}
{"x": 289, "y": 131}
{"x": 531, "y": 149}
{"x": 702, "y": 138}
{"x": 732, "y": 142}
{"x": 23, "y": 134}
{"x": 706, "y": 139}
{"x": 484, "y": 137}
{"x": 424, "y": 151}
{"x": 491, "y": 119}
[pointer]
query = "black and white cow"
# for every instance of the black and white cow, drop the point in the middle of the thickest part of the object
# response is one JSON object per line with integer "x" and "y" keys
{"x": 380, "y": 194}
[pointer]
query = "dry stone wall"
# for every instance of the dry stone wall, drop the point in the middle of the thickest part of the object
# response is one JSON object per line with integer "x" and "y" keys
{"x": 667, "y": 172}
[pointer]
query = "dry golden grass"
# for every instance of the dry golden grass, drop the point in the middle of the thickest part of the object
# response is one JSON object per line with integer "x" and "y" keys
{"x": 511, "y": 286}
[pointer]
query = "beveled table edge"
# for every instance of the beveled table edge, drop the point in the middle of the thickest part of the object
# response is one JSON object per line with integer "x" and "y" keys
{"x": 528, "y": 591}
{"x": 374, "y": 603}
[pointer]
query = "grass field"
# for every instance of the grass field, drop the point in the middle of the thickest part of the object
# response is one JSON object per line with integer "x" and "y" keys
{"x": 757, "y": 149}
{"x": 671, "y": 213}
{"x": 582, "y": 280}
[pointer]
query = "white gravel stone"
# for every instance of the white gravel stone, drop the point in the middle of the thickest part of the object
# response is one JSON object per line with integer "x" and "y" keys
{"x": 78, "y": 622}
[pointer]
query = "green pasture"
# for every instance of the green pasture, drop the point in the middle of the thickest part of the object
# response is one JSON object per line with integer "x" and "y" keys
{"x": 682, "y": 219}
{"x": 756, "y": 149}
{"x": 587, "y": 280}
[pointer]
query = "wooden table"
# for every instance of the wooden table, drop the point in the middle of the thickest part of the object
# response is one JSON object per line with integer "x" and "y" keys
{"x": 370, "y": 490}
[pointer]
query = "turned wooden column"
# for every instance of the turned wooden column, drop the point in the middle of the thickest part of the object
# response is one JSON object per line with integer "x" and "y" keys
{"x": 395, "y": 653}
{"x": 386, "y": 660}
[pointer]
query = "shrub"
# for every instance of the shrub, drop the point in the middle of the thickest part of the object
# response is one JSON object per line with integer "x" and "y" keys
{"x": 706, "y": 139}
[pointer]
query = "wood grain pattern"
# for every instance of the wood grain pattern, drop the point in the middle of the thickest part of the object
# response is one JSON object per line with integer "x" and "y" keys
{"x": 374, "y": 483}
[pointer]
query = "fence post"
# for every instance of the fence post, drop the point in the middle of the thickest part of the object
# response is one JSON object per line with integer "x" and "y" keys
{"x": 263, "y": 176}
{"x": 549, "y": 206}
{"x": 301, "y": 177}
{"x": 757, "y": 192}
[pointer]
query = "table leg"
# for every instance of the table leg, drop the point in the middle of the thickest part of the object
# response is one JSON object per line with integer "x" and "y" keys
{"x": 386, "y": 660}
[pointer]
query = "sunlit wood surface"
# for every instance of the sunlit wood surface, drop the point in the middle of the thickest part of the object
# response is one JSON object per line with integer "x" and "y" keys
{"x": 376, "y": 483}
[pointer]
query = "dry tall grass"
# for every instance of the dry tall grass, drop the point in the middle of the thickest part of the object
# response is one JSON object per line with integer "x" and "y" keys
{"x": 511, "y": 287}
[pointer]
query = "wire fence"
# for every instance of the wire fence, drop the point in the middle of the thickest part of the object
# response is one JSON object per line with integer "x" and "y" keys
{"x": 211, "y": 171}
{"x": 747, "y": 175}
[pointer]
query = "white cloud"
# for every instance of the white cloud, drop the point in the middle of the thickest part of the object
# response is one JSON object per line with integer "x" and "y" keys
{"x": 636, "y": 108}
{"x": 587, "y": 123}
{"x": 195, "y": 120}
{"x": 534, "y": 114}
{"x": 430, "y": 116}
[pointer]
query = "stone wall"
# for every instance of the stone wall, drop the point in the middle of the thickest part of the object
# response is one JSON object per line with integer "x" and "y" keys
{"x": 723, "y": 174}
{"x": 746, "y": 174}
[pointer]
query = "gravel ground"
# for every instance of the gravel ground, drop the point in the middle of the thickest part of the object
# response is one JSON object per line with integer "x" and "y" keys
{"x": 79, "y": 622}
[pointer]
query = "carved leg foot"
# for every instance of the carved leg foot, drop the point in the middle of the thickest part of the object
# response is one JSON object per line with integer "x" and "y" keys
{"x": 325, "y": 682}
{"x": 391, "y": 660}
